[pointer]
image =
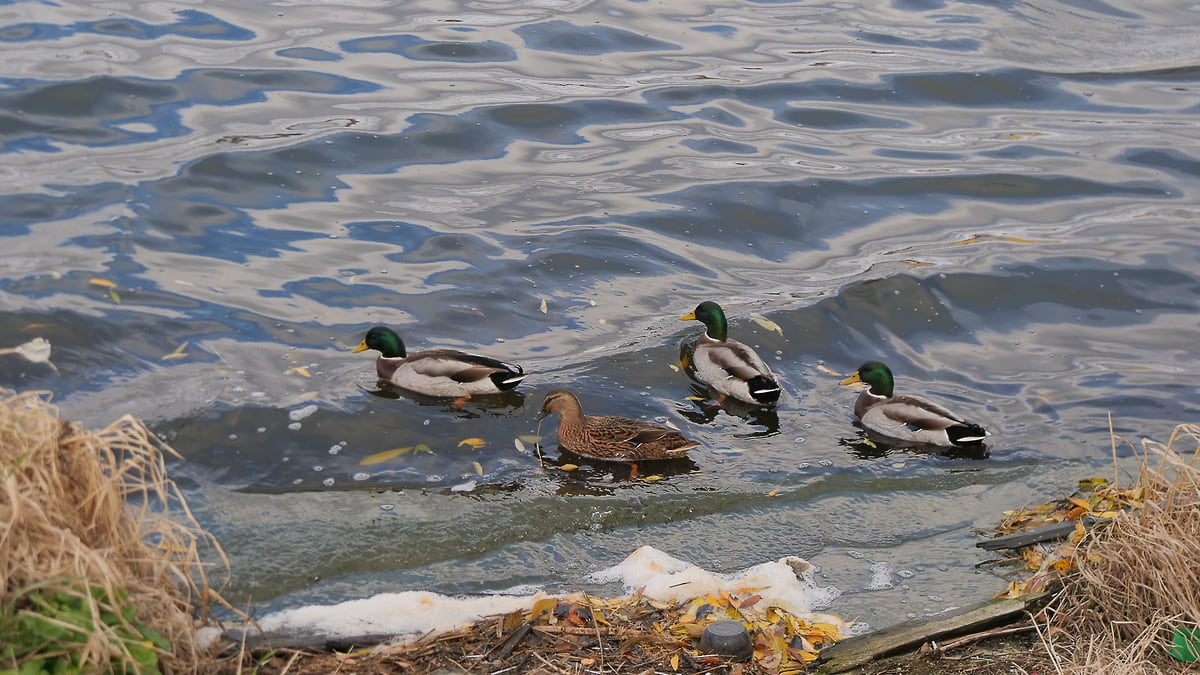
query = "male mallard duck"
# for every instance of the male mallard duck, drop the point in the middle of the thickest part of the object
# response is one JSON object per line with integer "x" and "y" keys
{"x": 906, "y": 417}
{"x": 438, "y": 372}
{"x": 725, "y": 364}
{"x": 611, "y": 438}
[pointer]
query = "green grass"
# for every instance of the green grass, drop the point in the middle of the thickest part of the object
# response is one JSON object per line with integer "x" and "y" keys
{"x": 44, "y": 631}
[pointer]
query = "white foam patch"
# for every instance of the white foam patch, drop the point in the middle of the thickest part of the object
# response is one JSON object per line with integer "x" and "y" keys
{"x": 787, "y": 583}
{"x": 881, "y": 577}
{"x": 408, "y": 613}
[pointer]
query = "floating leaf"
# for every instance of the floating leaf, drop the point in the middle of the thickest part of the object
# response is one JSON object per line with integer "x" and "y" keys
{"x": 774, "y": 492}
{"x": 821, "y": 367}
{"x": 673, "y": 367}
{"x": 568, "y": 467}
{"x": 421, "y": 447}
{"x": 542, "y": 307}
{"x": 380, "y": 457}
{"x": 530, "y": 438}
{"x": 695, "y": 398}
{"x": 478, "y": 468}
{"x": 475, "y": 443}
{"x": 36, "y": 350}
{"x": 299, "y": 370}
{"x": 651, "y": 479}
{"x": 519, "y": 445}
{"x": 766, "y": 323}
{"x": 113, "y": 295}
{"x": 179, "y": 353}
{"x": 99, "y": 281}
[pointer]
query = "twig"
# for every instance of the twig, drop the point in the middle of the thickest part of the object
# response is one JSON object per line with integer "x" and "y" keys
{"x": 543, "y": 660}
{"x": 292, "y": 661}
{"x": 976, "y": 637}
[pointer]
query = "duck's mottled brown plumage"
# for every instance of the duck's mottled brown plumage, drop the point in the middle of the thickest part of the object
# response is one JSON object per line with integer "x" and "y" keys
{"x": 610, "y": 438}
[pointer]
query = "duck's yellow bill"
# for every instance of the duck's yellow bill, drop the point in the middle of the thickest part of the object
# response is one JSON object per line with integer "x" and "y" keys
{"x": 853, "y": 379}
{"x": 362, "y": 346}
{"x": 690, "y": 316}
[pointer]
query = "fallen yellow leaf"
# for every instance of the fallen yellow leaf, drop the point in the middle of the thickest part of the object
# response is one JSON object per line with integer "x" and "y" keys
{"x": 568, "y": 467}
{"x": 384, "y": 456}
{"x": 478, "y": 468}
{"x": 179, "y": 353}
{"x": 475, "y": 443}
{"x": 113, "y": 295}
{"x": 98, "y": 281}
{"x": 300, "y": 370}
{"x": 651, "y": 479}
{"x": 766, "y": 323}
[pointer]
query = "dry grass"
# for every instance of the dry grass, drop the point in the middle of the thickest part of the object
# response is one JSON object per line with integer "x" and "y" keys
{"x": 91, "y": 515}
{"x": 1138, "y": 577}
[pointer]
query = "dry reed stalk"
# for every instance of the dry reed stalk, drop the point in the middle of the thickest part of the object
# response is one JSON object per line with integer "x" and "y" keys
{"x": 84, "y": 510}
{"x": 1137, "y": 579}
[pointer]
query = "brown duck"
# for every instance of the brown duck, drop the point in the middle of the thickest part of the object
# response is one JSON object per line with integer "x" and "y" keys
{"x": 610, "y": 438}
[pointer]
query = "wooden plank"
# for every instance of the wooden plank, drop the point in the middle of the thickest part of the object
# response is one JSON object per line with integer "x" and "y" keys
{"x": 860, "y": 650}
{"x": 1034, "y": 536}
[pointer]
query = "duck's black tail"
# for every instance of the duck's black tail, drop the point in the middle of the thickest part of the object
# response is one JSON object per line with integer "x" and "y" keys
{"x": 764, "y": 390}
{"x": 966, "y": 434}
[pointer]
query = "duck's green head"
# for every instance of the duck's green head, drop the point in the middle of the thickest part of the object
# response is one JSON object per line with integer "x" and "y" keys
{"x": 875, "y": 374}
{"x": 383, "y": 340}
{"x": 712, "y": 316}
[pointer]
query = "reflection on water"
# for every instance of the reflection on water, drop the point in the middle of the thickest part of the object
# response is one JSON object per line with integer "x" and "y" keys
{"x": 206, "y": 209}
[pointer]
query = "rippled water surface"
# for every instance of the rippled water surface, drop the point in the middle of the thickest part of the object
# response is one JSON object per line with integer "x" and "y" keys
{"x": 205, "y": 205}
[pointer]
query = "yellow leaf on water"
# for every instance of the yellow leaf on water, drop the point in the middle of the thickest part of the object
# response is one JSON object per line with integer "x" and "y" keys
{"x": 530, "y": 438}
{"x": 519, "y": 445}
{"x": 380, "y": 457}
{"x": 568, "y": 467}
{"x": 774, "y": 492}
{"x": 475, "y": 443}
{"x": 766, "y": 323}
{"x": 478, "y": 468}
{"x": 821, "y": 367}
{"x": 98, "y": 281}
{"x": 301, "y": 370}
{"x": 179, "y": 353}
{"x": 694, "y": 398}
{"x": 651, "y": 479}
{"x": 673, "y": 367}
{"x": 542, "y": 307}
{"x": 113, "y": 294}
{"x": 421, "y": 447}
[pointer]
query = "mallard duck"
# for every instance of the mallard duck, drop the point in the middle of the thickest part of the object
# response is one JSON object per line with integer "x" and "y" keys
{"x": 611, "y": 438}
{"x": 438, "y": 372}
{"x": 726, "y": 365}
{"x": 906, "y": 417}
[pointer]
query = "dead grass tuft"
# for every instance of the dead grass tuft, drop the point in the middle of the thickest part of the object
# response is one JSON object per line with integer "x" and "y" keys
{"x": 1136, "y": 581}
{"x": 92, "y": 515}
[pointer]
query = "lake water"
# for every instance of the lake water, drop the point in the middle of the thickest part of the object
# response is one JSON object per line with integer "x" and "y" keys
{"x": 205, "y": 205}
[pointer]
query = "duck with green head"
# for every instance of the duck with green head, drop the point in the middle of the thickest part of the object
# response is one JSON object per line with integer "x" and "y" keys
{"x": 726, "y": 365}
{"x": 438, "y": 372}
{"x": 907, "y": 417}
{"x": 611, "y": 438}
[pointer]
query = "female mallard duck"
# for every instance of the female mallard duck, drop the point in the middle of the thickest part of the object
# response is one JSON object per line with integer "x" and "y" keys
{"x": 438, "y": 372}
{"x": 610, "y": 438}
{"x": 906, "y": 417}
{"x": 726, "y": 365}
